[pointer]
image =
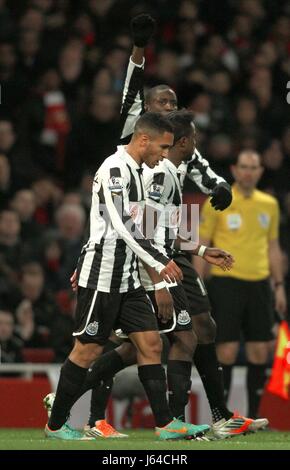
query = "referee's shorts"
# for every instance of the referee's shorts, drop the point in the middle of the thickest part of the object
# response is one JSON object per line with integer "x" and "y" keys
{"x": 241, "y": 309}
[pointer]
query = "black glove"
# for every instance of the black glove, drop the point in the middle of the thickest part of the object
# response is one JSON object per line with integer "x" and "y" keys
{"x": 221, "y": 196}
{"x": 142, "y": 28}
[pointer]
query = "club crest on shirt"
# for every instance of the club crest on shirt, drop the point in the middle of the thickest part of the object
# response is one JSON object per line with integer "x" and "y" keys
{"x": 155, "y": 191}
{"x": 92, "y": 328}
{"x": 116, "y": 184}
{"x": 183, "y": 318}
{"x": 234, "y": 221}
{"x": 264, "y": 220}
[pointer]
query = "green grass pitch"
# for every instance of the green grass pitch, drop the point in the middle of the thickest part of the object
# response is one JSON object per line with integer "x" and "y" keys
{"x": 33, "y": 439}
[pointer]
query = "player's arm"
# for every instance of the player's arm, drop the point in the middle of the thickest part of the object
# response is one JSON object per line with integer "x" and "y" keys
{"x": 142, "y": 28}
{"x": 209, "y": 182}
{"x": 117, "y": 206}
{"x": 211, "y": 255}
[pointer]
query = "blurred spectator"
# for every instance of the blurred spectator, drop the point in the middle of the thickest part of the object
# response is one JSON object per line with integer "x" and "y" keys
{"x": 70, "y": 220}
{"x": 94, "y": 137}
{"x": 26, "y": 328}
{"x": 24, "y": 204}
{"x": 5, "y": 181}
{"x": 10, "y": 345}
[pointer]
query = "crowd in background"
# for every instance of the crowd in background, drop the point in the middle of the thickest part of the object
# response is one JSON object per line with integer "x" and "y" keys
{"x": 62, "y": 68}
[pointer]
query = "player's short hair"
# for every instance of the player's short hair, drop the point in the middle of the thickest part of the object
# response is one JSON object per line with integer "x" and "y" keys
{"x": 152, "y": 123}
{"x": 149, "y": 96}
{"x": 182, "y": 123}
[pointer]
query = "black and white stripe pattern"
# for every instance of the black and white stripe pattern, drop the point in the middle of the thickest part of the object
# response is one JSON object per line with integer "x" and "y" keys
{"x": 108, "y": 261}
{"x": 197, "y": 169}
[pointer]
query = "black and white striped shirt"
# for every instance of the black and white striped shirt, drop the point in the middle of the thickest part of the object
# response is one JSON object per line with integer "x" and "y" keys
{"x": 197, "y": 169}
{"x": 164, "y": 196}
{"x": 108, "y": 262}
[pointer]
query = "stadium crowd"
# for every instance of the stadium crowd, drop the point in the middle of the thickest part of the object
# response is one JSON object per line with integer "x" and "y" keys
{"x": 62, "y": 67}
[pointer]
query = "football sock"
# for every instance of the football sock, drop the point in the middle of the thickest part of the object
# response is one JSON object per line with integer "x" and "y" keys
{"x": 211, "y": 374}
{"x": 99, "y": 401}
{"x": 256, "y": 378}
{"x": 179, "y": 386}
{"x": 153, "y": 380}
{"x": 227, "y": 376}
{"x": 70, "y": 382}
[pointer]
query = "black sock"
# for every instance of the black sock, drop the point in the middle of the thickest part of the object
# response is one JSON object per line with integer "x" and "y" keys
{"x": 227, "y": 375}
{"x": 211, "y": 374}
{"x": 99, "y": 401}
{"x": 105, "y": 368}
{"x": 70, "y": 382}
{"x": 179, "y": 386}
{"x": 256, "y": 378}
{"x": 153, "y": 380}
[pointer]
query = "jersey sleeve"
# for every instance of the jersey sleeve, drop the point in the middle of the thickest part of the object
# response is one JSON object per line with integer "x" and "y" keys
{"x": 133, "y": 98}
{"x": 208, "y": 221}
{"x": 114, "y": 182}
{"x": 199, "y": 171}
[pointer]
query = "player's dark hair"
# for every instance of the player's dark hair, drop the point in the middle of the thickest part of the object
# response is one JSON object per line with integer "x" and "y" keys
{"x": 153, "y": 123}
{"x": 182, "y": 123}
{"x": 156, "y": 89}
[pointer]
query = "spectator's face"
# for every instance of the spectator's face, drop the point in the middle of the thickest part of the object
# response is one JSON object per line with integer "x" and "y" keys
{"x": 7, "y": 136}
{"x": 246, "y": 112}
{"x": 7, "y": 56}
{"x": 167, "y": 66}
{"x": 6, "y": 325}
{"x": 4, "y": 170}
{"x": 29, "y": 43}
{"x": 32, "y": 283}
{"x": 273, "y": 156}
{"x": 32, "y": 20}
{"x": 156, "y": 148}
{"x": 248, "y": 170}
{"x": 24, "y": 204}
{"x": 9, "y": 224}
{"x": 103, "y": 81}
{"x": 220, "y": 83}
{"x": 71, "y": 223}
{"x": 162, "y": 102}
{"x": 103, "y": 108}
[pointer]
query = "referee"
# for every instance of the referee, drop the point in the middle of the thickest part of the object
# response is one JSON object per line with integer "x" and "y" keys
{"x": 241, "y": 299}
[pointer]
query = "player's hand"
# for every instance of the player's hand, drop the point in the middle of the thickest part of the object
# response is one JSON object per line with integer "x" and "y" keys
{"x": 220, "y": 258}
{"x": 281, "y": 301}
{"x": 171, "y": 272}
{"x": 221, "y": 196}
{"x": 142, "y": 28}
{"x": 74, "y": 281}
{"x": 165, "y": 304}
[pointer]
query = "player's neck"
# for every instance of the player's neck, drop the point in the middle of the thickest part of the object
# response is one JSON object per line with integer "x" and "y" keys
{"x": 133, "y": 152}
{"x": 245, "y": 191}
{"x": 175, "y": 159}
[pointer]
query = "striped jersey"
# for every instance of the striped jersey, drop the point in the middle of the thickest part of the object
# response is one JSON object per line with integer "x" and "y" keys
{"x": 197, "y": 169}
{"x": 108, "y": 261}
{"x": 163, "y": 195}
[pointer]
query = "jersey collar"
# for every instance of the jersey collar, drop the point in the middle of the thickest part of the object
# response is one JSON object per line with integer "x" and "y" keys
{"x": 127, "y": 157}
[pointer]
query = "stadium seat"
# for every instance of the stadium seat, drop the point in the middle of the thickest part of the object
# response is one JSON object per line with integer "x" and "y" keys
{"x": 38, "y": 355}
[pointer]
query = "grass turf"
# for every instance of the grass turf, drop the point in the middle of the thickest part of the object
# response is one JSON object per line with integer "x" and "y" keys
{"x": 33, "y": 439}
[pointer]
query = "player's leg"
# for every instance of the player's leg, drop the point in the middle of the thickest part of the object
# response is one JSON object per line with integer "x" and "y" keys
{"x": 182, "y": 346}
{"x": 258, "y": 333}
{"x": 139, "y": 322}
{"x": 92, "y": 331}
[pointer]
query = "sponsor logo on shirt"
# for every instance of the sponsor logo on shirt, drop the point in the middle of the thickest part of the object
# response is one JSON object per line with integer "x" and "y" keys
{"x": 264, "y": 220}
{"x": 234, "y": 221}
{"x": 116, "y": 184}
{"x": 156, "y": 191}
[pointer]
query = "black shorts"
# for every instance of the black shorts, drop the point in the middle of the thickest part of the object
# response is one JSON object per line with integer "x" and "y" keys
{"x": 98, "y": 313}
{"x": 194, "y": 287}
{"x": 181, "y": 320}
{"x": 241, "y": 309}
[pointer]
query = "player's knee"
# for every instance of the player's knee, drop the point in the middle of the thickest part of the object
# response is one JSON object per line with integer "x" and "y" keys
{"x": 185, "y": 343}
{"x": 205, "y": 328}
{"x": 226, "y": 354}
{"x": 85, "y": 354}
{"x": 127, "y": 352}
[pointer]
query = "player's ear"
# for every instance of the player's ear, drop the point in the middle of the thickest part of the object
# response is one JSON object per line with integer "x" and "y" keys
{"x": 144, "y": 140}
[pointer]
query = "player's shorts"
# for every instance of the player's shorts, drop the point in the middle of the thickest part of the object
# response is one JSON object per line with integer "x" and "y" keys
{"x": 181, "y": 320}
{"x": 98, "y": 313}
{"x": 241, "y": 309}
{"x": 193, "y": 285}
